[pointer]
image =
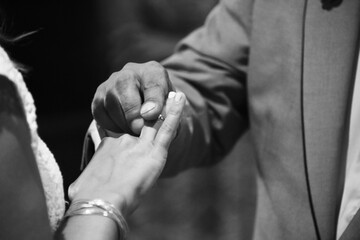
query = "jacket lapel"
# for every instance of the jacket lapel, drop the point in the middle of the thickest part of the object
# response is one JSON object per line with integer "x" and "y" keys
{"x": 330, "y": 39}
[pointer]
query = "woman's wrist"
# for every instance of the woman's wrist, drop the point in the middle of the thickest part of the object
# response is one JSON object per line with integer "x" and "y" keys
{"x": 115, "y": 199}
{"x": 88, "y": 208}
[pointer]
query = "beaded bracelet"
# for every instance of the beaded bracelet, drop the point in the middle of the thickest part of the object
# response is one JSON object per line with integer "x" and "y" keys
{"x": 99, "y": 207}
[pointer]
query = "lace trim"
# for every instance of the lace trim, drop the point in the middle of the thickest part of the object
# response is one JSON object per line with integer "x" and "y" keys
{"x": 49, "y": 170}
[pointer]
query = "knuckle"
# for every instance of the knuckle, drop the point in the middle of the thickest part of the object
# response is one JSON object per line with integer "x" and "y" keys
{"x": 127, "y": 75}
{"x": 157, "y": 85}
{"x": 153, "y": 64}
{"x": 130, "y": 65}
{"x": 174, "y": 111}
{"x": 126, "y": 139}
{"x": 167, "y": 128}
{"x": 100, "y": 89}
{"x": 159, "y": 69}
{"x": 106, "y": 140}
{"x": 113, "y": 75}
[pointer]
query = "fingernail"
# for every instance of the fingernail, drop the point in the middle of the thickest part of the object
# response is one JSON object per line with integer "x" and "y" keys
{"x": 172, "y": 94}
{"x": 178, "y": 97}
{"x": 147, "y": 107}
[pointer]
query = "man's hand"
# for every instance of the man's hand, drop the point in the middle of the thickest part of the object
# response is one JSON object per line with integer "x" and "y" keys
{"x": 130, "y": 96}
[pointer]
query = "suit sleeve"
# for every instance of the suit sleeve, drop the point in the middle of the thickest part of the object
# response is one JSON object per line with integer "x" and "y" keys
{"x": 210, "y": 66}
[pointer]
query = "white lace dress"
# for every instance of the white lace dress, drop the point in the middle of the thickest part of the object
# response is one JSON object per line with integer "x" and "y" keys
{"x": 49, "y": 170}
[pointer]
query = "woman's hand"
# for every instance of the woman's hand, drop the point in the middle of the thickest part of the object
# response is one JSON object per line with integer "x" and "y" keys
{"x": 124, "y": 168}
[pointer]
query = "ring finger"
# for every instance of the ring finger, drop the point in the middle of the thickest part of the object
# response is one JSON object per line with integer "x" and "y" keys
{"x": 150, "y": 128}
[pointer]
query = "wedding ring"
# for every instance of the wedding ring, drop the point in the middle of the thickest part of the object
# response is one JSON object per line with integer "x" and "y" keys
{"x": 161, "y": 117}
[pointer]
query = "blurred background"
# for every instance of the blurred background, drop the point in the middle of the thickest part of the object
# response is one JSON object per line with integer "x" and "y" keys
{"x": 78, "y": 44}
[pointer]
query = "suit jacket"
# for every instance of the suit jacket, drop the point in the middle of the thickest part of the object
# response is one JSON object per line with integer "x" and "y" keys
{"x": 285, "y": 70}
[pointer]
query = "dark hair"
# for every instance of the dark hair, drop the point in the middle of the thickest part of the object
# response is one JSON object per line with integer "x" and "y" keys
{"x": 6, "y": 41}
{"x": 9, "y": 43}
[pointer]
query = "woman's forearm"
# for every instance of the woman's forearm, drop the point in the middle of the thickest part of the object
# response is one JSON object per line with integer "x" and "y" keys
{"x": 89, "y": 227}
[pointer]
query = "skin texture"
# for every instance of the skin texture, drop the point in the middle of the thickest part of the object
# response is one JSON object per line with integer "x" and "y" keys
{"x": 122, "y": 170}
{"x": 135, "y": 94}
